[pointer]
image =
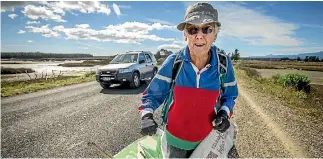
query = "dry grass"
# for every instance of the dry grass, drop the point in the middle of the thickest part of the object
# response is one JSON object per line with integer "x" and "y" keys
{"x": 309, "y": 66}
{"x": 310, "y": 104}
{"x": 12, "y": 88}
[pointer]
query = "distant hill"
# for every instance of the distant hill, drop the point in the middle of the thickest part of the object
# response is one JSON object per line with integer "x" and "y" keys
{"x": 302, "y": 56}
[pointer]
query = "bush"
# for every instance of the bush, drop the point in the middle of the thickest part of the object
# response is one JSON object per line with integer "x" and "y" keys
{"x": 300, "y": 82}
{"x": 15, "y": 70}
{"x": 251, "y": 72}
{"x": 160, "y": 61}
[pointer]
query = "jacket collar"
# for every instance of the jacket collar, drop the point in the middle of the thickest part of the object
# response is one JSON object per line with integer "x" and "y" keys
{"x": 186, "y": 57}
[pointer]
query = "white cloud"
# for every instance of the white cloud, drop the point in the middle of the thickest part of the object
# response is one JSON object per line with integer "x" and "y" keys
{"x": 169, "y": 47}
{"x": 160, "y": 21}
{"x": 254, "y": 27}
{"x": 21, "y": 32}
{"x": 58, "y": 28}
{"x": 86, "y": 48}
{"x": 129, "y": 32}
{"x": 43, "y": 30}
{"x": 32, "y": 22}
{"x": 11, "y": 5}
{"x": 38, "y": 12}
{"x": 116, "y": 9}
{"x": 81, "y": 6}
{"x": 30, "y": 41}
{"x": 84, "y": 26}
{"x": 12, "y": 16}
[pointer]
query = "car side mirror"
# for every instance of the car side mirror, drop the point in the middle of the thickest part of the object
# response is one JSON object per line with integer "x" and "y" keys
{"x": 141, "y": 61}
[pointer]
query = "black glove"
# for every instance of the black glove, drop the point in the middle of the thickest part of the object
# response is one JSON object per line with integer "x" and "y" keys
{"x": 148, "y": 125}
{"x": 221, "y": 121}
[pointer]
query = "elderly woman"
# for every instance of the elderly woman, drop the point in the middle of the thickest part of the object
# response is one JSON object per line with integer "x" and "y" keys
{"x": 197, "y": 91}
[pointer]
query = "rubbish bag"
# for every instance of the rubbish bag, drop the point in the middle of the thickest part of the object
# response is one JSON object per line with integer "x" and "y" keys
{"x": 146, "y": 147}
{"x": 215, "y": 145}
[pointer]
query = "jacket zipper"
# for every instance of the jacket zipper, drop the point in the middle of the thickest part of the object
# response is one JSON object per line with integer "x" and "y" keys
{"x": 198, "y": 73}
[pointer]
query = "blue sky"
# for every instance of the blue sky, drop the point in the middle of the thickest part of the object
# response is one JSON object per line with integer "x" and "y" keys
{"x": 106, "y": 28}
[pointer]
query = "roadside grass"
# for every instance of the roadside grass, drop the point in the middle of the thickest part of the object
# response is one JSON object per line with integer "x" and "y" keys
{"x": 12, "y": 88}
{"x": 310, "y": 104}
{"x": 87, "y": 63}
{"x": 8, "y": 76}
{"x": 5, "y": 70}
{"x": 307, "y": 66}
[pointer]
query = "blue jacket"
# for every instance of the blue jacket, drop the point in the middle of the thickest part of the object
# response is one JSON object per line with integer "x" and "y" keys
{"x": 194, "y": 98}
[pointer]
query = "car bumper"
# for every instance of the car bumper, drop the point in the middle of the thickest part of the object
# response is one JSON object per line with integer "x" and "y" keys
{"x": 114, "y": 79}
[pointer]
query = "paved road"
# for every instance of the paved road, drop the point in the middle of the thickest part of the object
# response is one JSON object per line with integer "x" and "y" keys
{"x": 60, "y": 122}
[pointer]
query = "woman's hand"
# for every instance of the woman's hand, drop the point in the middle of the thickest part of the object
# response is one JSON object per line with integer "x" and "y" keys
{"x": 148, "y": 125}
{"x": 221, "y": 121}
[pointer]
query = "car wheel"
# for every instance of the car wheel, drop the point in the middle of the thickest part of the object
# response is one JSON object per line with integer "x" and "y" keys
{"x": 154, "y": 73}
{"x": 105, "y": 86}
{"x": 135, "y": 82}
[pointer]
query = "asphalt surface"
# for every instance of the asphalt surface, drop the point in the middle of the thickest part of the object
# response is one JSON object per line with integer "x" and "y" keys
{"x": 60, "y": 122}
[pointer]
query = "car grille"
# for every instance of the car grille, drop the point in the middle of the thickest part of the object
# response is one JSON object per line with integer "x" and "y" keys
{"x": 109, "y": 73}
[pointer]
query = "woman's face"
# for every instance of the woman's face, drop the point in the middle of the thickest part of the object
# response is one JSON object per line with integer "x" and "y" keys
{"x": 200, "y": 38}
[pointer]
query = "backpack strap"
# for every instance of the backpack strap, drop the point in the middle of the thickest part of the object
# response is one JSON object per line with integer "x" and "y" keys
{"x": 178, "y": 63}
{"x": 176, "y": 67}
{"x": 222, "y": 71}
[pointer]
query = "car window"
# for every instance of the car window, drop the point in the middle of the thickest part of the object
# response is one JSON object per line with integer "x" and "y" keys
{"x": 142, "y": 57}
{"x": 125, "y": 58}
{"x": 153, "y": 57}
{"x": 148, "y": 58}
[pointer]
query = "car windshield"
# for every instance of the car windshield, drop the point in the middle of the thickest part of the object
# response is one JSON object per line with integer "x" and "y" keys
{"x": 125, "y": 58}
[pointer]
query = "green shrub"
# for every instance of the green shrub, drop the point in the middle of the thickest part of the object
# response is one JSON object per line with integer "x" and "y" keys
{"x": 300, "y": 82}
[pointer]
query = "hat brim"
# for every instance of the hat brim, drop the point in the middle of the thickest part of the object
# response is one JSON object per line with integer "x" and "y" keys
{"x": 201, "y": 20}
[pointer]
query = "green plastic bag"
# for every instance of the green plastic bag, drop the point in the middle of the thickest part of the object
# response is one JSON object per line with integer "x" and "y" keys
{"x": 145, "y": 147}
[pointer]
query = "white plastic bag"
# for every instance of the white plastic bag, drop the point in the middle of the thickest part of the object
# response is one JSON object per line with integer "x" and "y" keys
{"x": 216, "y": 144}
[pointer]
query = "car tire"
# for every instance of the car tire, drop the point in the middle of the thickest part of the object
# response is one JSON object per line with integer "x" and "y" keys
{"x": 105, "y": 86}
{"x": 154, "y": 73}
{"x": 135, "y": 81}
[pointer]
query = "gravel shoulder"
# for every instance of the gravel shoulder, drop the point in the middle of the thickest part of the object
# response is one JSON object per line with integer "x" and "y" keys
{"x": 269, "y": 129}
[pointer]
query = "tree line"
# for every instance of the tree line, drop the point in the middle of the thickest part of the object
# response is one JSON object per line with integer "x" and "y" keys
{"x": 233, "y": 55}
{"x": 310, "y": 59}
{"x": 39, "y": 55}
{"x": 163, "y": 53}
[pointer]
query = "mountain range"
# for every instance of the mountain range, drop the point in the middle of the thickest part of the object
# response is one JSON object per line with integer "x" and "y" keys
{"x": 294, "y": 56}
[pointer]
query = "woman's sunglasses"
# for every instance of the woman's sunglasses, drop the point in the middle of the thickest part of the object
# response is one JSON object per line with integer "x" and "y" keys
{"x": 205, "y": 29}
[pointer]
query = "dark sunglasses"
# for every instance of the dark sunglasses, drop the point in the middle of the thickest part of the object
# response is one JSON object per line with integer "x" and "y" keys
{"x": 205, "y": 29}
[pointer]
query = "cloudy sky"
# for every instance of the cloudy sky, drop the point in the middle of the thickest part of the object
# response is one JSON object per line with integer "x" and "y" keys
{"x": 106, "y": 28}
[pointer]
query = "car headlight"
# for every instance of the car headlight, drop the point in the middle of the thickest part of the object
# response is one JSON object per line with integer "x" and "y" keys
{"x": 98, "y": 72}
{"x": 125, "y": 70}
